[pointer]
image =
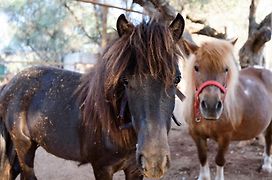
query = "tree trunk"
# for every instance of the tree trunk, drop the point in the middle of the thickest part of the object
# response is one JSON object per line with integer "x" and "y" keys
{"x": 251, "y": 53}
{"x": 104, "y": 27}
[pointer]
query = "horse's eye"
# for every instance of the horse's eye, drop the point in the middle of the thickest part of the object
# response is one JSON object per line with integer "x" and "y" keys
{"x": 227, "y": 70}
{"x": 177, "y": 79}
{"x": 124, "y": 81}
{"x": 196, "y": 68}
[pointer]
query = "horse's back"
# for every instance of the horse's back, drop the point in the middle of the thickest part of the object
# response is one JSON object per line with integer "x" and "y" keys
{"x": 41, "y": 104}
{"x": 255, "y": 100}
{"x": 261, "y": 76}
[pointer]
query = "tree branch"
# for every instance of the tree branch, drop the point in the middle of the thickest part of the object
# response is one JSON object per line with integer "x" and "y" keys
{"x": 164, "y": 7}
{"x": 41, "y": 56}
{"x": 209, "y": 31}
{"x": 109, "y": 6}
{"x": 260, "y": 38}
{"x": 266, "y": 21}
{"x": 252, "y": 17}
{"x": 198, "y": 21}
{"x": 153, "y": 7}
{"x": 77, "y": 21}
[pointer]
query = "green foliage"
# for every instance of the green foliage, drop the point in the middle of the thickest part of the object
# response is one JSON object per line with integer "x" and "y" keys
{"x": 51, "y": 28}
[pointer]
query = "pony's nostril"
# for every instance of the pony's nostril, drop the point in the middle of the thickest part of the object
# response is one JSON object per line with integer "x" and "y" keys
{"x": 204, "y": 105}
{"x": 218, "y": 105}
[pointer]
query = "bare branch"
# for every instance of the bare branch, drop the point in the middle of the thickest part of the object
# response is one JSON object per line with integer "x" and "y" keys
{"x": 109, "y": 6}
{"x": 41, "y": 56}
{"x": 252, "y": 17}
{"x": 260, "y": 38}
{"x": 199, "y": 21}
{"x": 266, "y": 22}
{"x": 153, "y": 7}
{"x": 209, "y": 31}
{"x": 77, "y": 21}
{"x": 164, "y": 8}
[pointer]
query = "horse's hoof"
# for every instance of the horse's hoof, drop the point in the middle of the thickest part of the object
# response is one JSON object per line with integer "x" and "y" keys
{"x": 203, "y": 178}
{"x": 267, "y": 164}
{"x": 267, "y": 168}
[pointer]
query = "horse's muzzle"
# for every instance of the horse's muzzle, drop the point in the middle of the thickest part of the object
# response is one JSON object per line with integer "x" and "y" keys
{"x": 153, "y": 166}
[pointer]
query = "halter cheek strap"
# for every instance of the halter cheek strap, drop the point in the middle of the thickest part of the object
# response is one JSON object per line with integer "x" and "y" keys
{"x": 129, "y": 124}
{"x": 122, "y": 114}
{"x": 198, "y": 92}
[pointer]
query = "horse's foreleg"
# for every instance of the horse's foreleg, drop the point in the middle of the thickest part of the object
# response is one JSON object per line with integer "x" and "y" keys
{"x": 133, "y": 173}
{"x": 102, "y": 173}
{"x": 267, "y": 164}
{"x": 201, "y": 145}
{"x": 223, "y": 145}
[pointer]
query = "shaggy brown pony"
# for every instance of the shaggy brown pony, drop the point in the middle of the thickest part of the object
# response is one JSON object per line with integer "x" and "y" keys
{"x": 116, "y": 117}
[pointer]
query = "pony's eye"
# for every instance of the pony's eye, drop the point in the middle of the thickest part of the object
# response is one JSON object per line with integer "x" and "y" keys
{"x": 196, "y": 68}
{"x": 227, "y": 70}
{"x": 177, "y": 79}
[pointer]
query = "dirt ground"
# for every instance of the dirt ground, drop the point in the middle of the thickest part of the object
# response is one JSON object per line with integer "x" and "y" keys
{"x": 243, "y": 163}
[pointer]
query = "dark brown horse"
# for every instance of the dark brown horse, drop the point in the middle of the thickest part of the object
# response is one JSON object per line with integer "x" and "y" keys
{"x": 9, "y": 164}
{"x": 116, "y": 117}
{"x": 225, "y": 104}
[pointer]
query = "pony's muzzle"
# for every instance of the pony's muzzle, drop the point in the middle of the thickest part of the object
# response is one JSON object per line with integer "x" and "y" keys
{"x": 211, "y": 109}
{"x": 154, "y": 166}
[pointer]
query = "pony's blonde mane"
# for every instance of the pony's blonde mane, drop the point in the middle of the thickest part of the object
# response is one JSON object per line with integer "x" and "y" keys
{"x": 213, "y": 56}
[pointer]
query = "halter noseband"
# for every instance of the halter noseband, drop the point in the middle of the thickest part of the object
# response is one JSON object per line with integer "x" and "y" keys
{"x": 198, "y": 92}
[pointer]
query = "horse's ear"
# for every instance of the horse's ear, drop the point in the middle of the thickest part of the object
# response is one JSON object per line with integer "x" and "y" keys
{"x": 177, "y": 27}
{"x": 188, "y": 47}
{"x": 123, "y": 26}
{"x": 233, "y": 41}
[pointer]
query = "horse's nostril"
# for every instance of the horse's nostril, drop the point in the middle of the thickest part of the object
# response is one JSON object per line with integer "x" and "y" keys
{"x": 204, "y": 105}
{"x": 141, "y": 161}
{"x": 218, "y": 105}
{"x": 166, "y": 162}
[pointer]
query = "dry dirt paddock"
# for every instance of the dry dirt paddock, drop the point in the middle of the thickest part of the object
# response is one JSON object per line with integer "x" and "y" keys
{"x": 242, "y": 162}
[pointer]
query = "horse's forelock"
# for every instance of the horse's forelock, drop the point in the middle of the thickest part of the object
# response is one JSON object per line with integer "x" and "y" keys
{"x": 154, "y": 50}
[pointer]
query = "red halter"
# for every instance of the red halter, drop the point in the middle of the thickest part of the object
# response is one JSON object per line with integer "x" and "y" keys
{"x": 200, "y": 89}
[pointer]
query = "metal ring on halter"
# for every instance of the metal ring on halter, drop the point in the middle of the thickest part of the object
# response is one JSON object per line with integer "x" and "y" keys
{"x": 197, "y": 119}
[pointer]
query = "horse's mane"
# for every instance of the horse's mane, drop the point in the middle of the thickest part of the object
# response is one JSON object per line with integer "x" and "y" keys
{"x": 149, "y": 49}
{"x": 213, "y": 56}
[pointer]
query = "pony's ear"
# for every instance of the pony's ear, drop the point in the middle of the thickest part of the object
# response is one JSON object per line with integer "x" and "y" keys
{"x": 123, "y": 26}
{"x": 177, "y": 27}
{"x": 188, "y": 47}
{"x": 233, "y": 41}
